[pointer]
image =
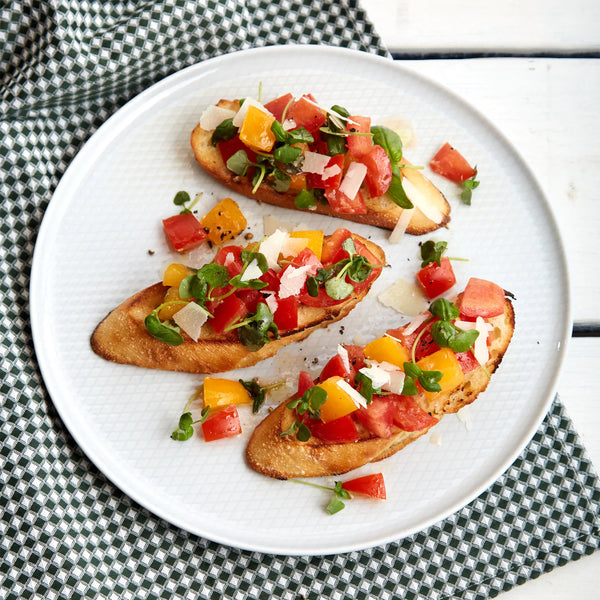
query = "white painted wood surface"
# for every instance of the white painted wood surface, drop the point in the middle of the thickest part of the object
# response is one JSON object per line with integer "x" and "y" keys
{"x": 547, "y": 107}
{"x": 511, "y": 26}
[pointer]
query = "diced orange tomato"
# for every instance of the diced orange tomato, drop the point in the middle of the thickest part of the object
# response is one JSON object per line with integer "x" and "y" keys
{"x": 168, "y": 311}
{"x": 385, "y": 349}
{"x": 310, "y": 239}
{"x": 297, "y": 182}
{"x": 223, "y": 392}
{"x": 338, "y": 403}
{"x": 224, "y": 221}
{"x": 174, "y": 274}
{"x": 443, "y": 360}
{"x": 255, "y": 131}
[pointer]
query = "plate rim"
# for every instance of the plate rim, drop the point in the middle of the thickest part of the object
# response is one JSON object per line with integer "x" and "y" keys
{"x": 118, "y": 121}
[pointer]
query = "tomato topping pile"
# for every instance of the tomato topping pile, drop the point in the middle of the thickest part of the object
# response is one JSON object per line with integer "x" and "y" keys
{"x": 256, "y": 292}
{"x": 323, "y": 155}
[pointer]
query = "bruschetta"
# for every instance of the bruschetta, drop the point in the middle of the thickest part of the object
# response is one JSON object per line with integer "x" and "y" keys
{"x": 243, "y": 306}
{"x": 370, "y": 402}
{"x": 295, "y": 154}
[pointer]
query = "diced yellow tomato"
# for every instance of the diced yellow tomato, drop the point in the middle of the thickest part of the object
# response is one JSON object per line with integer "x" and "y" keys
{"x": 174, "y": 274}
{"x": 338, "y": 404}
{"x": 443, "y": 360}
{"x": 224, "y": 221}
{"x": 298, "y": 182}
{"x": 309, "y": 239}
{"x": 256, "y": 132}
{"x": 168, "y": 311}
{"x": 219, "y": 393}
{"x": 386, "y": 349}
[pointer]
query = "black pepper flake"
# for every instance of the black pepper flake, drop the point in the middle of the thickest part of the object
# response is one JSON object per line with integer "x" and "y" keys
{"x": 342, "y": 330}
{"x": 315, "y": 361}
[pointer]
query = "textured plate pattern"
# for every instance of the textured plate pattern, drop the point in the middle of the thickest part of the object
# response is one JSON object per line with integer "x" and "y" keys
{"x": 105, "y": 215}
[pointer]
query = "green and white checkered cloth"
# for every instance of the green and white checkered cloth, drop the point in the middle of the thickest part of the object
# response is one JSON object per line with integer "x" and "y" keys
{"x": 66, "y": 531}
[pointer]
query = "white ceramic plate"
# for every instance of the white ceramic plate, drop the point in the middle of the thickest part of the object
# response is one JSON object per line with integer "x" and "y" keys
{"x": 92, "y": 253}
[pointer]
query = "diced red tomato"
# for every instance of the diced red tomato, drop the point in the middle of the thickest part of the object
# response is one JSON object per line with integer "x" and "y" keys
{"x": 333, "y": 182}
{"x": 359, "y": 145}
{"x": 230, "y": 310}
{"x": 271, "y": 278}
{"x": 379, "y": 171}
{"x": 230, "y": 147}
{"x": 467, "y": 361}
{"x": 305, "y": 114}
{"x": 233, "y": 263}
{"x": 481, "y": 298}
{"x": 340, "y": 203}
{"x": 184, "y": 232}
{"x": 339, "y": 430}
{"x": 305, "y": 382}
{"x": 335, "y": 366}
{"x": 307, "y": 258}
{"x": 286, "y": 314}
{"x": 436, "y": 279}
{"x": 451, "y": 164}
{"x": 223, "y": 424}
{"x": 332, "y": 246}
{"x": 250, "y": 298}
{"x": 377, "y": 417}
{"x": 277, "y": 106}
{"x": 408, "y": 415}
{"x": 368, "y": 485}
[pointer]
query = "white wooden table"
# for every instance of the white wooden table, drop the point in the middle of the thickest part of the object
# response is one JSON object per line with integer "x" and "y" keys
{"x": 533, "y": 68}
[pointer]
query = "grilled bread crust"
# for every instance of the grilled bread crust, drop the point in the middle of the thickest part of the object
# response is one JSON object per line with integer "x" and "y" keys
{"x": 285, "y": 457}
{"x": 122, "y": 337}
{"x": 381, "y": 211}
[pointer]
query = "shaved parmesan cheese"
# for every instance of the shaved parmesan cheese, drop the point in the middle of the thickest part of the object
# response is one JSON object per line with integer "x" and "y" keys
{"x": 464, "y": 416}
{"x": 292, "y": 281}
{"x": 229, "y": 259}
{"x": 198, "y": 257}
{"x": 289, "y": 124}
{"x": 213, "y": 116}
{"x": 435, "y": 439}
{"x": 271, "y": 302}
{"x": 191, "y": 318}
{"x": 421, "y": 202}
{"x": 271, "y": 224}
{"x": 331, "y": 171}
{"x": 404, "y": 297}
{"x": 271, "y": 247}
{"x": 353, "y": 179}
{"x": 252, "y": 271}
{"x": 241, "y": 114}
{"x": 357, "y": 398}
{"x": 378, "y": 376}
{"x": 400, "y": 228}
{"x": 395, "y": 375}
{"x": 293, "y": 246}
{"x": 344, "y": 356}
{"x": 314, "y": 162}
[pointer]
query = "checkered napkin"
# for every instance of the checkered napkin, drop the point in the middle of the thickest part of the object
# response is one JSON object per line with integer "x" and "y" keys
{"x": 66, "y": 531}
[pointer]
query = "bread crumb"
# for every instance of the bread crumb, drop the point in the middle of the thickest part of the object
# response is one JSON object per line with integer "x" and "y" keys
{"x": 435, "y": 439}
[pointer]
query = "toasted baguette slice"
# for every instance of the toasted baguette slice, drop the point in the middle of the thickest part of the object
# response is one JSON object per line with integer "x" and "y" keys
{"x": 381, "y": 211}
{"x": 122, "y": 336}
{"x": 285, "y": 457}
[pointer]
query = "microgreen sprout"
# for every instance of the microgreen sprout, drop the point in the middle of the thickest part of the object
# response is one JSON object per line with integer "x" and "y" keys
{"x": 185, "y": 429}
{"x": 182, "y": 198}
{"x": 340, "y": 494}
{"x": 309, "y": 403}
{"x": 469, "y": 185}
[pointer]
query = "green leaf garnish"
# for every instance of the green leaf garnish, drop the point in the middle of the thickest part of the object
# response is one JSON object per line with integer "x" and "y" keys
{"x": 224, "y": 132}
{"x": 239, "y": 163}
{"x": 339, "y": 492}
{"x": 185, "y": 430}
{"x": 310, "y": 402}
{"x": 432, "y": 252}
{"x": 469, "y": 185}
{"x": 182, "y": 198}
{"x": 162, "y": 331}
{"x": 305, "y": 199}
{"x": 389, "y": 140}
{"x": 254, "y": 330}
{"x": 427, "y": 379}
{"x": 444, "y": 333}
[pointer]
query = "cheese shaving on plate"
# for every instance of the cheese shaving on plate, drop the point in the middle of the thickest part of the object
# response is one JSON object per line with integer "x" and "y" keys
{"x": 353, "y": 179}
{"x": 421, "y": 202}
{"x": 213, "y": 116}
{"x": 241, "y": 114}
{"x": 292, "y": 281}
{"x": 401, "y": 225}
{"x": 357, "y": 398}
{"x": 344, "y": 356}
{"x": 271, "y": 247}
{"x": 314, "y": 163}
